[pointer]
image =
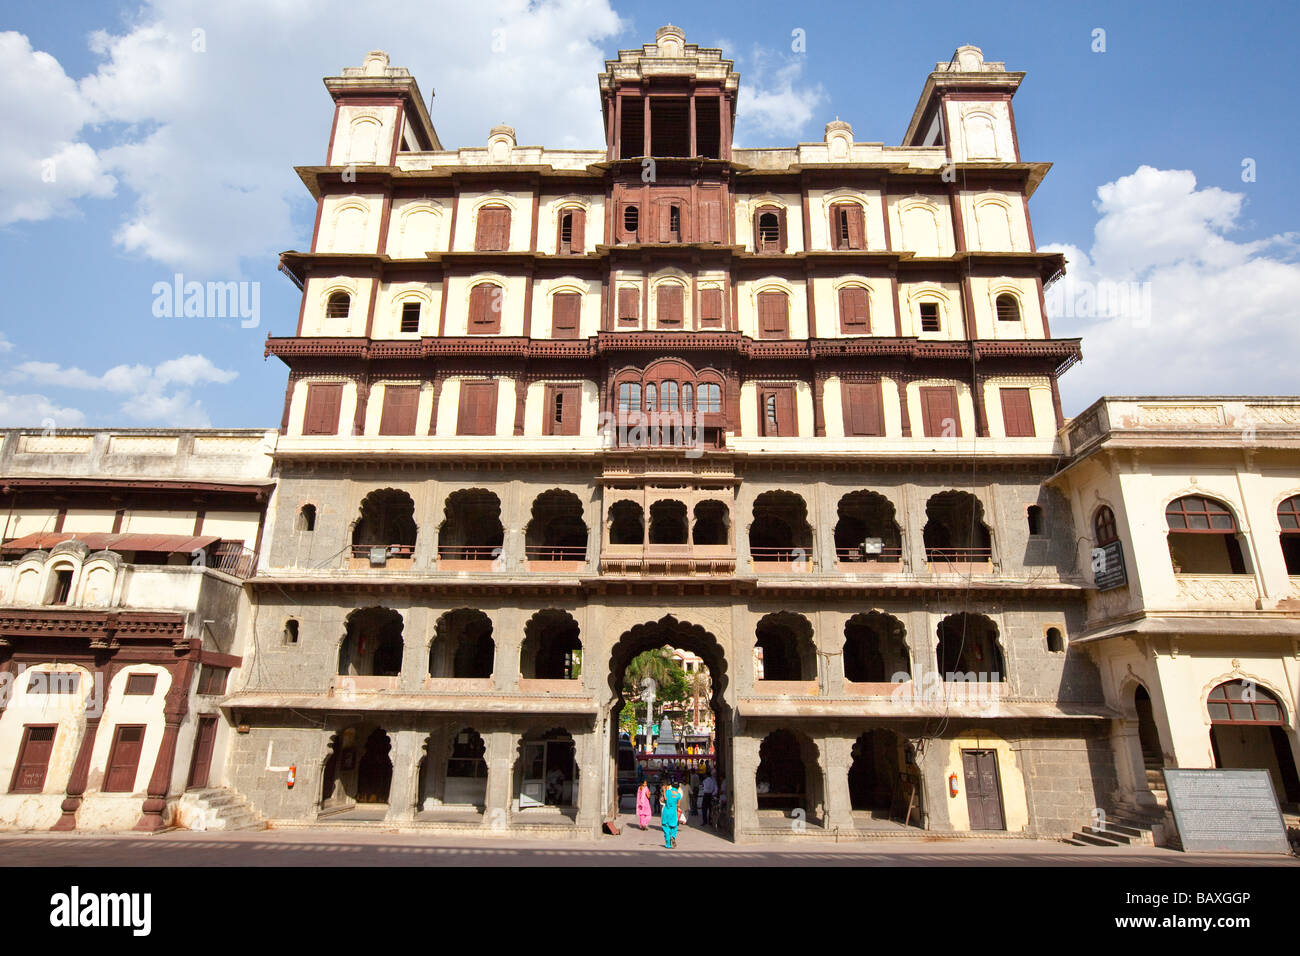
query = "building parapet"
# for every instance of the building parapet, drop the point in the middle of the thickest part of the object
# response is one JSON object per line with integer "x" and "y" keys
{"x": 1184, "y": 421}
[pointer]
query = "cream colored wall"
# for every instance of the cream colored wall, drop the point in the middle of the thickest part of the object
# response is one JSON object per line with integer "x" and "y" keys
{"x": 470, "y": 202}
{"x": 68, "y": 711}
{"x": 361, "y": 143}
{"x": 1015, "y": 804}
{"x": 1040, "y": 402}
{"x": 512, "y": 302}
{"x": 298, "y": 404}
{"x": 747, "y": 304}
{"x": 833, "y": 408}
{"x": 543, "y": 306}
{"x": 388, "y": 309}
{"x": 89, "y": 520}
{"x": 803, "y": 406}
{"x": 947, "y": 294}
{"x": 963, "y": 132}
{"x": 826, "y": 298}
{"x": 535, "y": 410}
{"x": 417, "y": 227}
{"x": 994, "y": 221}
{"x": 350, "y": 223}
{"x": 23, "y": 521}
{"x": 746, "y": 204}
{"x": 317, "y": 292}
{"x": 819, "y": 213}
{"x": 984, "y": 294}
{"x": 159, "y": 522}
{"x": 449, "y": 406}
{"x": 232, "y": 525}
{"x": 912, "y": 230}
{"x": 965, "y": 407}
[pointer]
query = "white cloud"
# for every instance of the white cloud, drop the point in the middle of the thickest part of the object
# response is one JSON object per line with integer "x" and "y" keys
{"x": 1168, "y": 303}
{"x": 31, "y": 411}
{"x": 5, "y": 344}
{"x": 775, "y": 101}
{"x": 43, "y": 170}
{"x": 150, "y": 394}
{"x": 205, "y": 141}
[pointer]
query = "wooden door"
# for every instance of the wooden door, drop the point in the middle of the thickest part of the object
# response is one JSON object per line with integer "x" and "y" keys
{"x": 400, "y": 405}
{"x": 1017, "y": 414}
{"x": 773, "y": 315}
{"x": 33, "y": 759}
{"x": 566, "y": 313}
{"x": 322, "y": 414}
{"x": 983, "y": 789}
{"x": 124, "y": 758}
{"x": 563, "y": 406}
{"x": 863, "y": 412}
{"x": 777, "y": 411}
{"x": 201, "y": 763}
{"x": 939, "y": 412}
{"x": 477, "y": 412}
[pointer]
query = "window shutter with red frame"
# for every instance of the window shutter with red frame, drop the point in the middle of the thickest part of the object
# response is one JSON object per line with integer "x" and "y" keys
{"x": 477, "y": 413}
{"x": 563, "y": 409}
{"x": 124, "y": 759}
{"x": 668, "y": 306}
{"x": 576, "y": 242}
{"x": 939, "y": 405}
{"x": 863, "y": 410}
{"x": 322, "y": 413}
{"x": 566, "y": 311}
{"x": 776, "y": 411}
{"x": 857, "y": 228}
{"x": 485, "y": 301}
{"x": 400, "y": 404}
{"x": 492, "y": 233}
{"x": 710, "y": 308}
{"x": 710, "y": 219}
{"x": 33, "y": 759}
{"x": 629, "y": 306}
{"x": 773, "y": 315}
{"x": 1017, "y": 413}
{"x": 854, "y": 314}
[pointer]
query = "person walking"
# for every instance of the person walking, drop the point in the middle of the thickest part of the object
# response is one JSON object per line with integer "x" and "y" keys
{"x": 668, "y": 815}
{"x": 708, "y": 793}
{"x": 643, "y": 804}
{"x": 688, "y": 794}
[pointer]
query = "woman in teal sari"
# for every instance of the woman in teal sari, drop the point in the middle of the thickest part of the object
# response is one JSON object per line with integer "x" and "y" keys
{"x": 671, "y": 798}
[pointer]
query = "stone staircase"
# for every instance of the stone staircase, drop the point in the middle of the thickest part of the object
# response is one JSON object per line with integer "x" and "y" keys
{"x": 218, "y": 808}
{"x": 1125, "y": 826}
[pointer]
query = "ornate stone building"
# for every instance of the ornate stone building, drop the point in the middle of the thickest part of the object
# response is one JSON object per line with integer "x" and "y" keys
{"x": 549, "y": 408}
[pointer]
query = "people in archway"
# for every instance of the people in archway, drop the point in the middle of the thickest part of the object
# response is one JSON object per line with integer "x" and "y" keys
{"x": 708, "y": 793}
{"x": 672, "y": 797}
{"x": 643, "y": 804}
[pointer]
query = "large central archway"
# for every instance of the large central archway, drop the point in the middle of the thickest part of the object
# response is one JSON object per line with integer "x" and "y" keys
{"x": 672, "y": 632}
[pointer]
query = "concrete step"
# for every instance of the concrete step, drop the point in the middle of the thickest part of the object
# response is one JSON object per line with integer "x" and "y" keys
{"x": 1091, "y": 839}
{"x": 1120, "y": 829}
{"x": 1112, "y": 834}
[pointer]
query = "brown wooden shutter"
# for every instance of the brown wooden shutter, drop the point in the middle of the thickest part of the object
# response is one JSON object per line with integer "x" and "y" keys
{"x": 33, "y": 760}
{"x": 711, "y": 308}
{"x": 1017, "y": 415}
{"x": 124, "y": 758}
{"x": 668, "y": 306}
{"x": 863, "y": 411}
{"x": 837, "y": 238}
{"x": 629, "y": 305}
{"x": 710, "y": 216}
{"x": 939, "y": 404}
{"x": 854, "y": 317}
{"x": 782, "y": 240}
{"x": 477, "y": 412}
{"x": 776, "y": 411}
{"x": 322, "y": 414}
{"x": 566, "y": 310}
{"x": 485, "y": 309}
{"x": 563, "y": 409}
{"x": 773, "y": 315}
{"x": 578, "y": 232}
{"x": 857, "y": 228}
{"x": 758, "y": 214}
{"x": 492, "y": 233}
{"x": 400, "y": 404}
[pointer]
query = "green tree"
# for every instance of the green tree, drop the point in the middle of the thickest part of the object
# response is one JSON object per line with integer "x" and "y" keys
{"x": 673, "y": 683}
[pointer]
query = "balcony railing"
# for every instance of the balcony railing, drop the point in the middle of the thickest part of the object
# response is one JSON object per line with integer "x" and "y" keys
{"x": 392, "y": 550}
{"x": 233, "y": 558}
{"x": 555, "y": 552}
{"x": 853, "y": 555}
{"x": 958, "y": 555}
{"x": 469, "y": 552}
{"x": 780, "y": 554}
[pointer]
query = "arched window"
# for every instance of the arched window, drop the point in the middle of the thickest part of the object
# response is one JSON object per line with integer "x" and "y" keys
{"x": 1035, "y": 516}
{"x": 1103, "y": 526}
{"x": 307, "y": 518}
{"x": 847, "y": 230}
{"x": 668, "y": 397}
{"x": 1288, "y": 520}
{"x": 492, "y": 232}
{"x": 629, "y": 397}
{"x": 1203, "y": 537}
{"x": 670, "y": 403}
{"x": 1243, "y": 702}
{"x": 709, "y": 399}
{"x": 767, "y": 231}
{"x": 338, "y": 306}
{"x": 1055, "y": 640}
{"x": 1008, "y": 308}
{"x": 485, "y": 301}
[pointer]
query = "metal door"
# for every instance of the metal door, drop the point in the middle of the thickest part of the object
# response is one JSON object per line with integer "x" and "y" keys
{"x": 983, "y": 789}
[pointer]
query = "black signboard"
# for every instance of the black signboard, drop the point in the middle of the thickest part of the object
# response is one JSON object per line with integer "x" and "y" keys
{"x": 1108, "y": 566}
{"x": 1226, "y": 810}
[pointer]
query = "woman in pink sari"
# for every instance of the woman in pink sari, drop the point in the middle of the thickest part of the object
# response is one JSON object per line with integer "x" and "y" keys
{"x": 643, "y": 804}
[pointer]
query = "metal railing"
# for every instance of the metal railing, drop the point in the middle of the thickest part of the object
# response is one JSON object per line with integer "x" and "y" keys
{"x": 469, "y": 552}
{"x": 393, "y": 550}
{"x": 958, "y": 555}
{"x": 859, "y": 555}
{"x": 555, "y": 552}
{"x": 780, "y": 554}
{"x": 231, "y": 557}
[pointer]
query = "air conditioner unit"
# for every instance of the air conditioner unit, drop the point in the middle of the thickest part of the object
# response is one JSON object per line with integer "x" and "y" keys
{"x": 378, "y": 557}
{"x": 873, "y": 545}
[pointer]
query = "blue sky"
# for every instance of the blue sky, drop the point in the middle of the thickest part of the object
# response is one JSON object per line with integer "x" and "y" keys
{"x": 175, "y": 159}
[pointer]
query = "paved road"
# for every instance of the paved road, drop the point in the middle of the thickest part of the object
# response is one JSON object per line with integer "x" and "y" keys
{"x": 328, "y": 848}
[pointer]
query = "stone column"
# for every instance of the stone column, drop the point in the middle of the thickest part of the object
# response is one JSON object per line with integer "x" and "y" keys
{"x": 590, "y": 813}
{"x": 405, "y": 785}
{"x": 836, "y": 759}
{"x": 741, "y": 788}
{"x": 500, "y": 755}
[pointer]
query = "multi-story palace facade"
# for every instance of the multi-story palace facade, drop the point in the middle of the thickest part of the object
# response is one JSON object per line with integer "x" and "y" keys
{"x": 792, "y": 411}
{"x": 550, "y": 408}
